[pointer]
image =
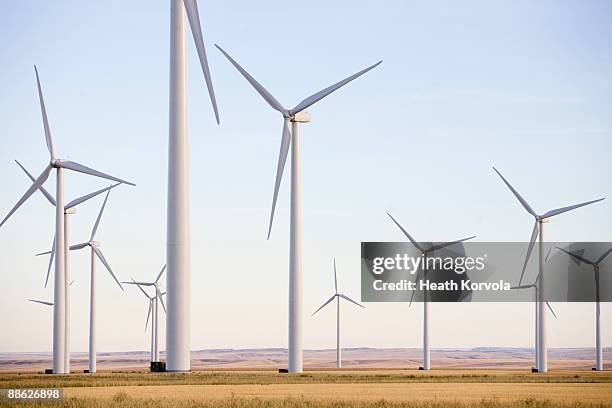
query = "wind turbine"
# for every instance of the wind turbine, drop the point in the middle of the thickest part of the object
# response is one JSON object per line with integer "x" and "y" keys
{"x": 59, "y": 291}
{"x": 95, "y": 252}
{"x": 154, "y": 307}
{"x": 178, "y": 330}
{"x": 69, "y": 209}
{"x": 291, "y": 138}
{"x": 337, "y": 295}
{"x": 425, "y": 252}
{"x": 595, "y": 265}
{"x": 534, "y": 286}
{"x": 538, "y": 229}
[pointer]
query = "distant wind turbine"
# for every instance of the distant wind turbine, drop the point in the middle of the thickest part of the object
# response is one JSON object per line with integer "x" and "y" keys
{"x": 425, "y": 252}
{"x": 60, "y": 281}
{"x": 595, "y": 265}
{"x": 337, "y": 295}
{"x": 538, "y": 229}
{"x": 291, "y": 138}
{"x": 95, "y": 252}
{"x": 534, "y": 286}
{"x": 154, "y": 302}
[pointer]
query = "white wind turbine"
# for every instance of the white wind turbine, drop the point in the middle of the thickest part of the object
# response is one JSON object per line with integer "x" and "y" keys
{"x": 337, "y": 295}
{"x": 535, "y": 286}
{"x": 292, "y": 138}
{"x": 60, "y": 281}
{"x": 178, "y": 330}
{"x": 154, "y": 302}
{"x": 538, "y": 229}
{"x": 95, "y": 252}
{"x": 425, "y": 252}
{"x": 69, "y": 209}
{"x": 595, "y": 265}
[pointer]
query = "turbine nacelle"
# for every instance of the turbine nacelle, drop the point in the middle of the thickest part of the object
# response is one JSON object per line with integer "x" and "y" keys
{"x": 300, "y": 117}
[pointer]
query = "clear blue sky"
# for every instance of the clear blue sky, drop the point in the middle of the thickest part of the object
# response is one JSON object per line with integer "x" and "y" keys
{"x": 523, "y": 85}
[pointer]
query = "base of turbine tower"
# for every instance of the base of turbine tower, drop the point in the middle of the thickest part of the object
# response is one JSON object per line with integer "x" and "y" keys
{"x": 534, "y": 370}
{"x": 158, "y": 366}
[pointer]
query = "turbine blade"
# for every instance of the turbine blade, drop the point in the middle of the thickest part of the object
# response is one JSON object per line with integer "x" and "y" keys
{"x": 149, "y": 314}
{"x": 43, "y": 110}
{"x": 601, "y": 258}
{"x": 416, "y": 244}
{"x": 160, "y": 274}
{"x": 191, "y": 7}
{"x": 447, "y": 244}
{"x": 97, "y": 224}
{"x": 80, "y": 200}
{"x": 47, "y": 195}
{"x": 547, "y": 255}
{"x": 258, "y": 87}
{"x": 534, "y": 236}
{"x": 78, "y": 246}
{"x": 66, "y": 164}
{"x": 42, "y": 302}
{"x": 282, "y": 159}
{"x": 335, "y": 277}
{"x": 350, "y": 300}
{"x": 105, "y": 262}
{"x": 325, "y": 92}
{"x": 416, "y": 279}
{"x": 35, "y": 186}
{"x": 522, "y": 287}
{"x": 161, "y": 298}
{"x": 578, "y": 257}
{"x": 50, "y": 261}
{"x": 551, "y": 309}
{"x": 139, "y": 287}
{"x": 138, "y": 283}
{"x": 558, "y": 211}
{"x": 324, "y": 304}
{"x": 517, "y": 195}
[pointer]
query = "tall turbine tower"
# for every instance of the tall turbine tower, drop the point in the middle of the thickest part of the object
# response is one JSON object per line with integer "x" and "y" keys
{"x": 178, "y": 323}
{"x": 60, "y": 281}
{"x": 595, "y": 264}
{"x": 337, "y": 295}
{"x": 423, "y": 272}
{"x": 538, "y": 229}
{"x": 291, "y": 138}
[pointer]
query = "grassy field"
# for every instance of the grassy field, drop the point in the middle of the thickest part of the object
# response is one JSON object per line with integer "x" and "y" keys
{"x": 371, "y": 388}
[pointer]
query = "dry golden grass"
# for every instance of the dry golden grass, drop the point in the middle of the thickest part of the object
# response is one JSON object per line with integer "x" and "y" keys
{"x": 340, "y": 389}
{"x": 233, "y": 377}
{"x": 462, "y": 392}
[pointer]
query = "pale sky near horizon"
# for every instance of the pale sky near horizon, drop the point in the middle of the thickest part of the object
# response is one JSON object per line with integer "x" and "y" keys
{"x": 525, "y": 86}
